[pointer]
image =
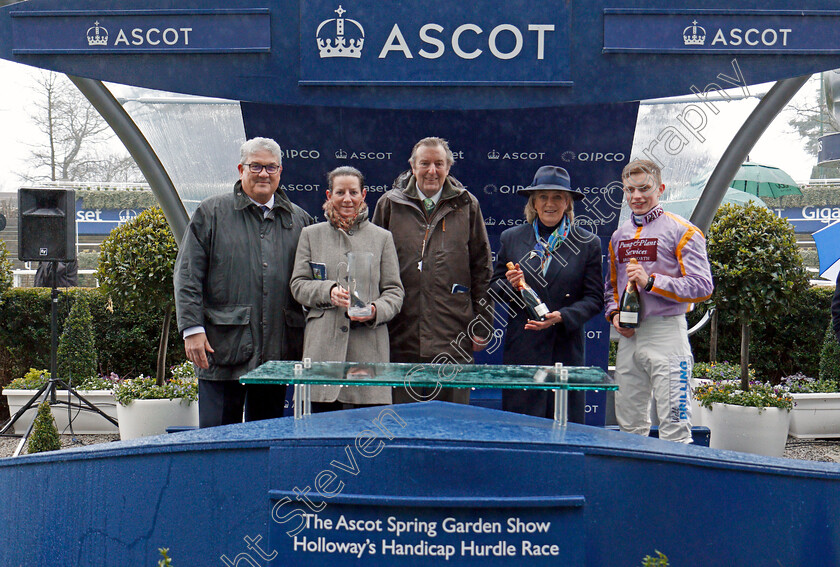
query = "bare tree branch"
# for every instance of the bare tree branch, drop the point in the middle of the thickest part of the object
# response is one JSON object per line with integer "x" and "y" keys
{"x": 76, "y": 138}
{"x": 812, "y": 119}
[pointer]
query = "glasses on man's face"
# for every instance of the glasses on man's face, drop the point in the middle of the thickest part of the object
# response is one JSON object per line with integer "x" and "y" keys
{"x": 258, "y": 167}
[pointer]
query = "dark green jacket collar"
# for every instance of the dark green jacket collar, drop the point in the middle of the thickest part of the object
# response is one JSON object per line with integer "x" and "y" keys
{"x": 242, "y": 200}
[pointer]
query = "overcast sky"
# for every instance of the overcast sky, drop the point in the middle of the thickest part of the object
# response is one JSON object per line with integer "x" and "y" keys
{"x": 779, "y": 146}
{"x": 17, "y": 130}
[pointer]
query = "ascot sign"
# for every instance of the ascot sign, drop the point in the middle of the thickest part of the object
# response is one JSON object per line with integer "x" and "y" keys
{"x": 80, "y": 32}
{"x": 371, "y": 43}
{"x": 792, "y": 32}
{"x": 396, "y": 41}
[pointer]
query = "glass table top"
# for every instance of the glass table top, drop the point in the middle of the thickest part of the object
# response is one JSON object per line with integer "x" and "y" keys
{"x": 430, "y": 375}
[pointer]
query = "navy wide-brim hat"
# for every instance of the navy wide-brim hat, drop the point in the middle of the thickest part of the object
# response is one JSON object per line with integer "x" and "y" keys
{"x": 551, "y": 178}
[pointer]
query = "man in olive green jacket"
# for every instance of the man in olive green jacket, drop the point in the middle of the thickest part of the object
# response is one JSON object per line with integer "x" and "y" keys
{"x": 445, "y": 268}
{"x": 234, "y": 306}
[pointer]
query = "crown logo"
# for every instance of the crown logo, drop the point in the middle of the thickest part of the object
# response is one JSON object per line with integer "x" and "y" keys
{"x": 341, "y": 154}
{"x": 347, "y": 41}
{"x": 493, "y": 154}
{"x": 697, "y": 35}
{"x": 97, "y": 35}
{"x": 490, "y": 221}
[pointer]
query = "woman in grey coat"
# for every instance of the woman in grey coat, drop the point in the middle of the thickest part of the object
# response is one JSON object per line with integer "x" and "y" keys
{"x": 320, "y": 265}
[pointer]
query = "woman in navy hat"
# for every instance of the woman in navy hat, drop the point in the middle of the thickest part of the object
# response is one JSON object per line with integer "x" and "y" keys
{"x": 561, "y": 262}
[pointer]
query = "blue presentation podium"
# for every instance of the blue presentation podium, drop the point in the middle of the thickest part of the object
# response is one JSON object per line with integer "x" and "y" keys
{"x": 513, "y": 85}
{"x": 417, "y": 484}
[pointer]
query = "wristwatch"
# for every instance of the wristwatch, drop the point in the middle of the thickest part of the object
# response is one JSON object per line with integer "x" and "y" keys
{"x": 649, "y": 284}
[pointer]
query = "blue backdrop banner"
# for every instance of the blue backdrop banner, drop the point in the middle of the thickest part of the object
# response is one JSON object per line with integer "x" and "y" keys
{"x": 366, "y": 54}
{"x": 496, "y": 153}
{"x": 141, "y": 31}
{"x": 721, "y": 31}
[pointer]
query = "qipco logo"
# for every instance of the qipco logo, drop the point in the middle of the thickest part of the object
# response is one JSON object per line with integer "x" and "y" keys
{"x": 592, "y": 156}
{"x": 301, "y": 154}
{"x": 598, "y": 156}
{"x": 503, "y": 189}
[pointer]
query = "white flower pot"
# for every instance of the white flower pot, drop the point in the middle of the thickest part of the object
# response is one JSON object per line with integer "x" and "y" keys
{"x": 142, "y": 418}
{"x": 698, "y": 413}
{"x": 84, "y": 422}
{"x": 748, "y": 429}
{"x": 815, "y": 415}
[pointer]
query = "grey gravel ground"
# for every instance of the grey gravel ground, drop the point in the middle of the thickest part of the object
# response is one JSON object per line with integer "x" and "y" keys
{"x": 826, "y": 450}
{"x": 9, "y": 444}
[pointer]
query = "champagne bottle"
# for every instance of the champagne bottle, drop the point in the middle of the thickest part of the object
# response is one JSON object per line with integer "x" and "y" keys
{"x": 537, "y": 310}
{"x": 630, "y": 306}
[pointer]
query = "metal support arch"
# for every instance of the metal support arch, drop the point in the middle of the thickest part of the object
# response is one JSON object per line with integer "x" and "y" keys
{"x": 752, "y": 129}
{"x": 140, "y": 149}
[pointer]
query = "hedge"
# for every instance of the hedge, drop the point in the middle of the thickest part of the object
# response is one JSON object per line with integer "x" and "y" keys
{"x": 781, "y": 343}
{"x": 77, "y": 346}
{"x": 813, "y": 195}
{"x": 135, "y": 199}
{"x": 830, "y": 356}
{"x": 126, "y": 342}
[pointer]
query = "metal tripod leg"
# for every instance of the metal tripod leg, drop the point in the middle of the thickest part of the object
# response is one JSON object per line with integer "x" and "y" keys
{"x": 89, "y": 404}
{"x": 48, "y": 389}
{"x": 24, "y": 409}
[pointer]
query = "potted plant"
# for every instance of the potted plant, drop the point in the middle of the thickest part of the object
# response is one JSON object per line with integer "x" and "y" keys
{"x": 756, "y": 266}
{"x": 145, "y": 407}
{"x": 97, "y": 389}
{"x": 76, "y": 355}
{"x": 816, "y": 411}
{"x": 136, "y": 265}
{"x": 754, "y": 420}
{"x": 757, "y": 270}
{"x": 76, "y": 360}
{"x": 44, "y": 433}
{"x": 705, "y": 373}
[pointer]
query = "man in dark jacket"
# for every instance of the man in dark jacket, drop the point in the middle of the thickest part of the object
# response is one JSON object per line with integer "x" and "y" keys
{"x": 445, "y": 267}
{"x": 234, "y": 306}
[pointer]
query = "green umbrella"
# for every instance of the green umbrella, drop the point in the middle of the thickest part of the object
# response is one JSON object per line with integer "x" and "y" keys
{"x": 764, "y": 181}
{"x": 684, "y": 207}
